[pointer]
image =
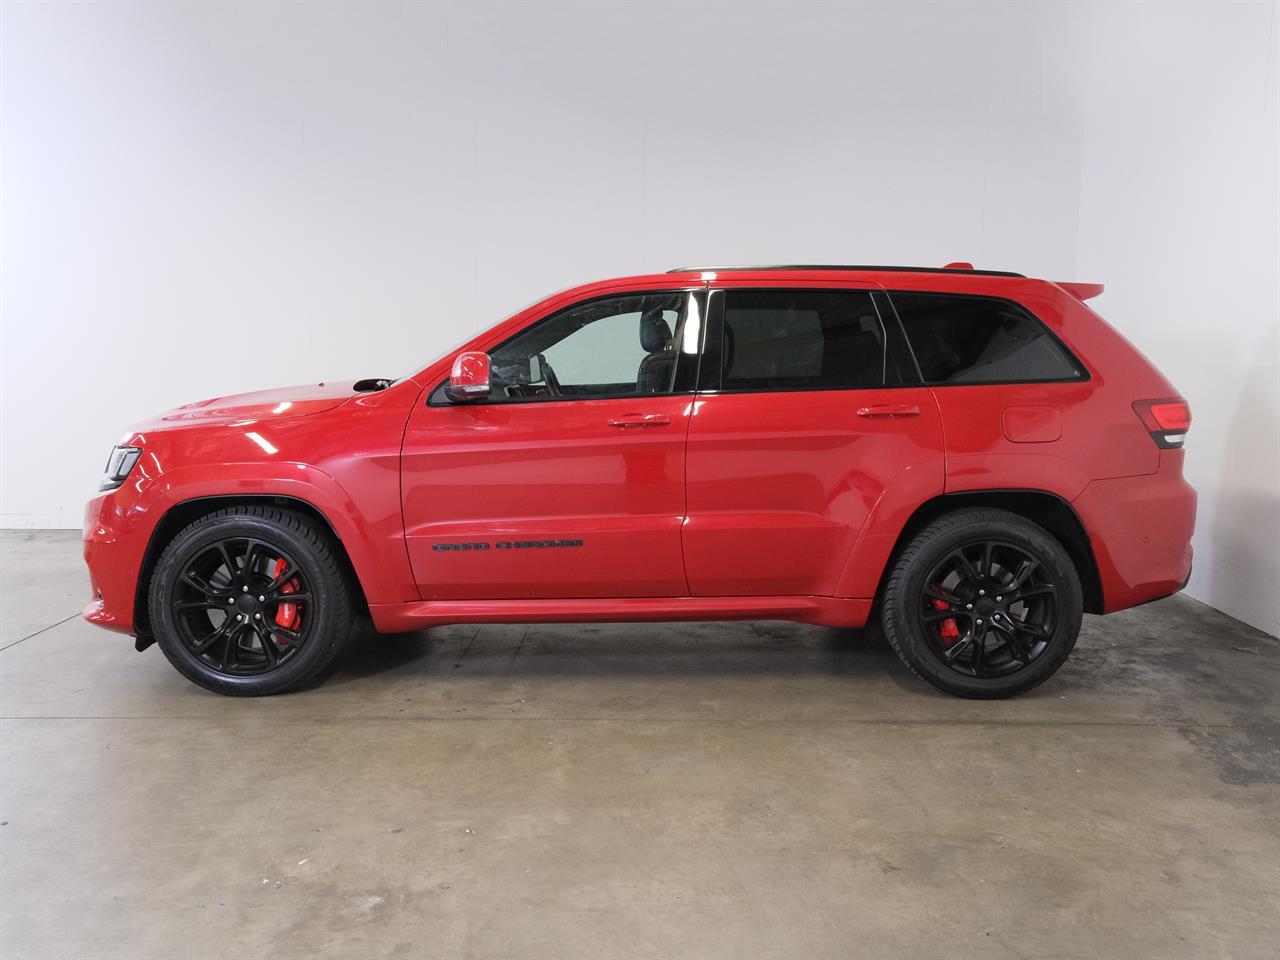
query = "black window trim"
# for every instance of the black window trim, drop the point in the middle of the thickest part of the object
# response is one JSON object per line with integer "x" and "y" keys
{"x": 436, "y": 396}
{"x": 897, "y": 349}
{"x": 1084, "y": 376}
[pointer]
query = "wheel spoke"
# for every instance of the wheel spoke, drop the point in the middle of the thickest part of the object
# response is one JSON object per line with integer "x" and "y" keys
{"x": 1028, "y": 567}
{"x": 230, "y": 645}
{"x": 1003, "y": 624}
{"x": 965, "y": 567}
{"x": 979, "y": 652}
{"x": 205, "y": 604}
{"x": 213, "y": 636}
{"x": 1033, "y": 629}
{"x": 1018, "y": 648}
{"x": 1042, "y": 589}
{"x": 290, "y": 635}
{"x": 193, "y": 579}
{"x": 985, "y": 571}
{"x": 228, "y": 560}
{"x": 959, "y": 647}
{"x": 268, "y": 645}
{"x": 936, "y": 615}
{"x": 290, "y": 571}
{"x": 254, "y": 549}
{"x": 937, "y": 593}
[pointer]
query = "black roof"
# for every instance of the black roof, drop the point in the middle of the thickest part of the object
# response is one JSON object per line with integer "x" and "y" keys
{"x": 863, "y": 267}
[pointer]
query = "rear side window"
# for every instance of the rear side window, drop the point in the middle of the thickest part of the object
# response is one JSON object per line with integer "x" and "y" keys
{"x": 801, "y": 340}
{"x": 960, "y": 339}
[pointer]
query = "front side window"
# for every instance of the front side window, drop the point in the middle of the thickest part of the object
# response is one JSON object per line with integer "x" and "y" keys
{"x": 801, "y": 340}
{"x": 964, "y": 339}
{"x": 634, "y": 345}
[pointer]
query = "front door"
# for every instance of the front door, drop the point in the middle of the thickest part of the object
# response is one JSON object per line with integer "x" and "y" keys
{"x": 809, "y": 411}
{"x": 568, "y": 482}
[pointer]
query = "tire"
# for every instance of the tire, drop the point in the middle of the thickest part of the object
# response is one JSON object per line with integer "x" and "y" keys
{"x": 962, "y": 570}
{"x": 279, "y": 574}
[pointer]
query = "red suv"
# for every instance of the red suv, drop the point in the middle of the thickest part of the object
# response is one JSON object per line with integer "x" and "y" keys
{"x": 976, "y": 456}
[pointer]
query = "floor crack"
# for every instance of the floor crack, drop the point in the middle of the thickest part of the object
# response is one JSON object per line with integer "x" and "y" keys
{"x": 38, "y": 632}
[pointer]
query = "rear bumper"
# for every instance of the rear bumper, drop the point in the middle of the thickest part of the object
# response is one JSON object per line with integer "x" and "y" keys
{"x": 115, "y": 542}
{"x": 1140, "y": 529}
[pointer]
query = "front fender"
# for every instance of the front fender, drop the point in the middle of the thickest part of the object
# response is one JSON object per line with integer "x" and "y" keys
{"x": 121, "y": 528}
{"x": 374, "y": 544}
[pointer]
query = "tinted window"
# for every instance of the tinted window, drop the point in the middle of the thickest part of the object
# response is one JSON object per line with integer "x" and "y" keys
{"x": 959, "y": 339}
{"x": 613, "y": 347}
{"x": 801, "y": 340}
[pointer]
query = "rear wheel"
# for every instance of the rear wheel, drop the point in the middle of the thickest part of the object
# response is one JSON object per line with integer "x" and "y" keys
{"x": 250, "y": 601}
{"x": 983, "y": 603}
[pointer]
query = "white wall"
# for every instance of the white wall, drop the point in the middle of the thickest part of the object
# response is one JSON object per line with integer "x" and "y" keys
{"x": 205, "y": 198}
{"x": 1180, "y": 216}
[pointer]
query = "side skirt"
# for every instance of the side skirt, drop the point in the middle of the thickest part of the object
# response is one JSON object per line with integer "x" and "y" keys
{"x": 824, "y": 611}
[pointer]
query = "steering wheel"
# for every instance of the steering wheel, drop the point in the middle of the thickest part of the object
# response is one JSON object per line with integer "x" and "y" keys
{"x": 548, "y": 376}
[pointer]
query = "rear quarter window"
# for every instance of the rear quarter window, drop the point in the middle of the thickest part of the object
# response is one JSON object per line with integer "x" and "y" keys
{"x": 965, "y": 339}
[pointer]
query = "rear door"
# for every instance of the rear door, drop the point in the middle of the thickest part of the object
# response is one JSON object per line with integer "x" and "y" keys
{"x": 808, "y": 408}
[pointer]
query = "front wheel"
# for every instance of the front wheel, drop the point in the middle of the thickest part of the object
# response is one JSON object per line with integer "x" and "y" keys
{"x": 250, "y": 600}
{"x": 983, "y": 603}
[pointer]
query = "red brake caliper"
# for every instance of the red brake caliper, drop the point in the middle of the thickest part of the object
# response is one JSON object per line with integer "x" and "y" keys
{"x": 286, "y": 613}
{"x": 948, "y": 628}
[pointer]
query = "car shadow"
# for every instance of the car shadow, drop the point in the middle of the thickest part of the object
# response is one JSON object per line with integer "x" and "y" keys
{"x": 707, "y": 650}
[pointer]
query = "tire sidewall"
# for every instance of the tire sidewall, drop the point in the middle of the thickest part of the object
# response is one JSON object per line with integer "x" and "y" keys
{"x": 319, "y": 644}
{"x": 906, "y": 632}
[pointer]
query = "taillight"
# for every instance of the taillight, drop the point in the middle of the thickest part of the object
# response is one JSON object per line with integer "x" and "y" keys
{"x": 1166, "y": 420}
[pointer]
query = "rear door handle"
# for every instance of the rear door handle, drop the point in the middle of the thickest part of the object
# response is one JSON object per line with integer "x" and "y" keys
{"x": 890, "y": 410}
{"x": 638, "y": 421}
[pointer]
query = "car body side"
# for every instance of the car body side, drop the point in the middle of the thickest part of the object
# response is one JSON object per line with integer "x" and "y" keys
{"x": 340, "y": 455}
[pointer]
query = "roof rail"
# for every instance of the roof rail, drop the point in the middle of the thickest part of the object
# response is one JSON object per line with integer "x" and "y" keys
{"x": 862, "y": 267}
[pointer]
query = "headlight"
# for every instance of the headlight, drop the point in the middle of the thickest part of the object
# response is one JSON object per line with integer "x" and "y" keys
{"x": 119, "y": 464}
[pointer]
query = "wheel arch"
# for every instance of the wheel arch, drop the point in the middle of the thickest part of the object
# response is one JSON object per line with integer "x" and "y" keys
{"x": 185, "y": 512}
{"x": 1046, "y": 509}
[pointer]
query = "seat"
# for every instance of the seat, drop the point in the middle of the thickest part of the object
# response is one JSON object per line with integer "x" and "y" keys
{"x": 853, "y": 356}
{"x": 658, "y": 366}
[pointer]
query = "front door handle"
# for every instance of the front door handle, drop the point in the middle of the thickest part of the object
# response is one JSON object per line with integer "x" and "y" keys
{"x": 889, "y": 410}
{"x": 638, "y": 421}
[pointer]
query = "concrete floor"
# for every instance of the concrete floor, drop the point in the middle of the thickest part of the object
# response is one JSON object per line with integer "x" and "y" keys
{"x": 705, "y": 790}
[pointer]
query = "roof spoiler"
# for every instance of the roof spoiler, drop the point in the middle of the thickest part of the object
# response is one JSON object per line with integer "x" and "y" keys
{"x": 1081, "y": 291}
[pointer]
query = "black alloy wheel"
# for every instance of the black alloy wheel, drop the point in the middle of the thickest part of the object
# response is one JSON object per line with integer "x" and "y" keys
{"x": 241, "y": 606}
{"x": 251, "y": 600}
{"x": 983, "y": 603}
{"x": 989, "y": 609}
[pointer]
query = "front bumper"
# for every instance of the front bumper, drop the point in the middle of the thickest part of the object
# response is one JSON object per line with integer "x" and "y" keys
{"x": 115, "y": 544}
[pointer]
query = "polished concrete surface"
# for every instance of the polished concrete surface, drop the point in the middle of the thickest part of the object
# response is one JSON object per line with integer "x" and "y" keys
{"x": 700, "y": 790}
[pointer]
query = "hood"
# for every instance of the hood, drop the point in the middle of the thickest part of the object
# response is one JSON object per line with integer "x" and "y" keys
{"x": 301, "y": 401}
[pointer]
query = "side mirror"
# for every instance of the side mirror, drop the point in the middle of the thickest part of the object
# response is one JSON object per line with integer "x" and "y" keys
{"x": 469, "y": 379}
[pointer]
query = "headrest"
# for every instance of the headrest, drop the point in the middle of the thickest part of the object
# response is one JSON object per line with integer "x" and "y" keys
{"x": 655, "y": 335}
